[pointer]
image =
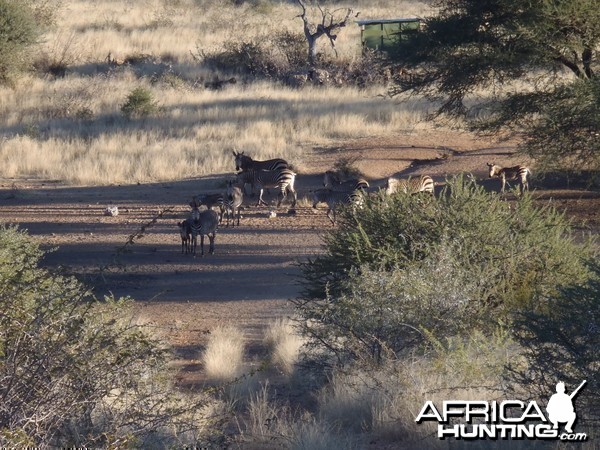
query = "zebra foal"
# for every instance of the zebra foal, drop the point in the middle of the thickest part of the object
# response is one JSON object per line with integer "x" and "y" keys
{"x": 334, "y": 199}
{"x": 233, "y": 201}
{"x": 203, "y": 223}
{"x": 510, "y": 173}
{"x": 282, "y": 179}
{"x": 244, "y": 162}
{"x": 185, "y": 231}
{"x": 424, "y": 183}
{"x": 333, "y": 182}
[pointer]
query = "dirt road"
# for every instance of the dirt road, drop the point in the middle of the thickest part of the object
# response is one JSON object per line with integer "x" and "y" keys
{"x": 254, "y": 271}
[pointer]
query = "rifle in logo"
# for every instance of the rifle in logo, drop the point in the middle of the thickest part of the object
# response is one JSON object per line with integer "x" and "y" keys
{"x": 560, "y": 407}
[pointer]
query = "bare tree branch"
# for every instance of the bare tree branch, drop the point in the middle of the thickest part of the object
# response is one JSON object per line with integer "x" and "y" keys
{"x": 330, "y": 24}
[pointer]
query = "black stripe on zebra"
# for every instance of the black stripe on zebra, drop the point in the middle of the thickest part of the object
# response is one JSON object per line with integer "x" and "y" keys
{"x": 210, "y": 201}
{"x": 203, "y": 223}
{"x": 510, "y": 173}
{"x": 244, "y": 162}
{"x": 281, "y": 179}
{"x": 334, "y": 199}
{"x": 423, "y": 183}
{"x": 332, "y": 181}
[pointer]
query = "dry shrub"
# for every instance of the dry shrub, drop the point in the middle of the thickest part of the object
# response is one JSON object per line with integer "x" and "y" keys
{"x": 384, "y": 400}
{"x": 313, "y": 435}
{"x": 223, "y": 357}
{"x": 285, "y": 344}
{"x": 345, "y": 168}
{"x": 272, "y": 425}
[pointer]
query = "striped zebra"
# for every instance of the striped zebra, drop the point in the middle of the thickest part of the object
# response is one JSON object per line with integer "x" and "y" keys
{"x": 211, "y": 201}
{"x": 334, "y": 199}
{"x": 510, "y": 173}
{"x": 233, "y": 202}
{"x": 185, "y": 231}
{"x": 332, "y": 181}
{"x": 282, "y": 179}
{"x": 424, "y": 183}
{"x": 203, "y": 223}
{"x": 244, "y": 162}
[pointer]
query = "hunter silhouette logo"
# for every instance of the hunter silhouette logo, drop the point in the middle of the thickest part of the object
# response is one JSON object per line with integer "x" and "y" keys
{"x": 560, "y": 407}
{"x": 509, "y": 419}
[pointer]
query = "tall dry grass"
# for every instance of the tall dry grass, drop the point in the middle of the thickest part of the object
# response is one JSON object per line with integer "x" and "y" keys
{"x": 72, "y": 128}
{"x": 284, "y": 343}
{"x": 224, "y": 354}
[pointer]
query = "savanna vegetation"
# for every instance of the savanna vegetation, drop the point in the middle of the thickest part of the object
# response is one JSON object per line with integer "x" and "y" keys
{"x": 463, "y": 295}
{"x": 125, "y": 92}
{"x": 549, "y": 47}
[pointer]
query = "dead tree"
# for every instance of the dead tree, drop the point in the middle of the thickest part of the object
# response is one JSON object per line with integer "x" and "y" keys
{"x": 331, "y": 23}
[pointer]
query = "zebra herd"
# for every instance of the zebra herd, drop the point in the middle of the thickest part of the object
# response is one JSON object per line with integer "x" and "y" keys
{"x": 277, "y": 174}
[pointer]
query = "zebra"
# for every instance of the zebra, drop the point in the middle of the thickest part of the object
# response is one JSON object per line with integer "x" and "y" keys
{"x": 424, "y": 183}
{"x": 210, "y": 201}
{"x": 335, "y": 198}
{"x": 185, "y": 231}
{"x": 282, "y": 179}
{"x": 203, "y": 223}
{"x": 233, "y": 201}
{"x": 510, "y": 173}
{"x": 332, "y": 181}
{"x": 244, "y": 162}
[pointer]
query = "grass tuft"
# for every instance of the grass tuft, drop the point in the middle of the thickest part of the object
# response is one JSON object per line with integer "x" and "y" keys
{"x": 223, "y": 357}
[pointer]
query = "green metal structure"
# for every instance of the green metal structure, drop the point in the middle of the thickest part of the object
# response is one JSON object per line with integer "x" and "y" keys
{"x": 379, "y": 34}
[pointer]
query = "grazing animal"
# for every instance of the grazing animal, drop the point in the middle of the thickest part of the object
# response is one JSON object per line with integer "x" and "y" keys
{"x": 244, "y": 162}
{"x": 333, "y": 182}
{"x": 185, "y": 231}
{"x": 282, "y": 179}
{"x": 334, "y": 199}
{"x": 210, "y": 201}
{"x": 203, "y": 223}
{"x": 233, "y": 202}
{"x": 424, "y": 183}
{"x": 510, "y": 173}
{"x": 217, "y": 84}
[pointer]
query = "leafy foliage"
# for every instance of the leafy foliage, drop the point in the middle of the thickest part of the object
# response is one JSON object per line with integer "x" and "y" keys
{"x": 140, "y": 103}
{"x": 472, "y": 45}
{"x": 19, "y": 31}
{"x": 562, "y": 345}
{"x": 401, "y": 265}
{"x": 562, "y": 127}
{"x": 75, "y": 370}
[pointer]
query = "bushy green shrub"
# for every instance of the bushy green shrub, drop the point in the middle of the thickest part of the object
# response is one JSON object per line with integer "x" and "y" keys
{"x": 76, "y": 371}
{"x": 19, "y": 31}
{"x": 140, "y": 103}
{"x": 401, "y": 266}
{"x": 563, "y": 345}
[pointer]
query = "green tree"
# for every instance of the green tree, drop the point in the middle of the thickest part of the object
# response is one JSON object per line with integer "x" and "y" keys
{"x": 19, "y": 32}
{"x": 562, "y": 345}
{"x": 22, "y": 22}
{"x": 549, "y": 46}
{"x": 404, "y": 264}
